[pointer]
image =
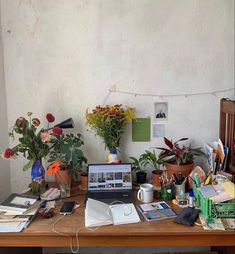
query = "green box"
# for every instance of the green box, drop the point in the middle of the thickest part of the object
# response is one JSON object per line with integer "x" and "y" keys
{"x": 211, "y": 210}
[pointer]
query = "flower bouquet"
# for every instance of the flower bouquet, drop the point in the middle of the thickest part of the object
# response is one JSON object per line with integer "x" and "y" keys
{"x": 109, "y": 123}
{"x": 33, "y": 145}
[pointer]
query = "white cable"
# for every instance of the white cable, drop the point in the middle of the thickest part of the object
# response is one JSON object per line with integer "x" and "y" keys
{"x": 75, "y": 251}
{"x": 54, "y": 224}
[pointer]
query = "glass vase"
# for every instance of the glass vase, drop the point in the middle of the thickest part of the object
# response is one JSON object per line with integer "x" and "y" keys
{"x": 38, "y": 184}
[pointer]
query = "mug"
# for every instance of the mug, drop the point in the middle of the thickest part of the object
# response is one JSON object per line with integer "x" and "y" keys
{"x": 145, "y": 193}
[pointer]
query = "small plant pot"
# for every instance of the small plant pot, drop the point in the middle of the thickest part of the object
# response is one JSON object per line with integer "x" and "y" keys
{"x": 156, "y": 174}
{"x": 83, "y": 182}
{"x": 141, "y": 177}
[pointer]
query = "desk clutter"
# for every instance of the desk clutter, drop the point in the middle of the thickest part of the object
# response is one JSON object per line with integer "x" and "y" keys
{"x": 18, "y": 211}
{"x": 212, "y": 198}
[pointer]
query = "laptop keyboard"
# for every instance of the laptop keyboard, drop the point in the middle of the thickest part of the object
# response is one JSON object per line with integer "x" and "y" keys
{"x": 109, "y": 197}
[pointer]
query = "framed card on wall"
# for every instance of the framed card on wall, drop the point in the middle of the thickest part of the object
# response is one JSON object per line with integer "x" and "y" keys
{"x": 161, "y": 110}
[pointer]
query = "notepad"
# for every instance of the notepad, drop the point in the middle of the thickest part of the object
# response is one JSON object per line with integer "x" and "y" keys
{"x": 124, "y": 214}
{"x": 208, "y": 191}
{"x": 229, "y": 188}
{"x": 99, "y": 214}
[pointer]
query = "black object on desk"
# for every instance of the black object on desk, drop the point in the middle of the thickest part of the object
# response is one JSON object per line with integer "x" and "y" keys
{"x": 187, "y": 216}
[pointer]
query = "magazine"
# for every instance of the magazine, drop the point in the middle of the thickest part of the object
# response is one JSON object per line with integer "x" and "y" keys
{"x": 156, "y": 211}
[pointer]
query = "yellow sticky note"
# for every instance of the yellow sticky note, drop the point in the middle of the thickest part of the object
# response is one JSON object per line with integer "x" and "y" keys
{"x": 229, "y": 188}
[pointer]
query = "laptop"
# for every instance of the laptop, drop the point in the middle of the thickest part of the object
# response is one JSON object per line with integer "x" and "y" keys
{"x": 110, "y": 183}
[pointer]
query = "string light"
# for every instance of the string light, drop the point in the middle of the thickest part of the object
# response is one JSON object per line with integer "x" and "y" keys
{"x": 170, "y": 95}
{"x": 113, "y": 89}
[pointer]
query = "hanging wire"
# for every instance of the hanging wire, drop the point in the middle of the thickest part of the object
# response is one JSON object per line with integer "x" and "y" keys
{"x": 168, "y": 95}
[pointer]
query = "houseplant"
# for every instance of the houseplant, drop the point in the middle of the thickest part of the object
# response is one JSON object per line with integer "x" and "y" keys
{"x": 33, "y": 145}
{"x": 149, "y": 158}
{"x": 137, "y": 167}
{"x": 154, "y": 161}
{"x": 109, "y": 123}
{"x": 179, "y": 159}
{"x": 66, "y": 149}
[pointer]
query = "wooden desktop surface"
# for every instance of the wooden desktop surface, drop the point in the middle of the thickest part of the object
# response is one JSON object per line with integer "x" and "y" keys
{"x": 156, "y": 233}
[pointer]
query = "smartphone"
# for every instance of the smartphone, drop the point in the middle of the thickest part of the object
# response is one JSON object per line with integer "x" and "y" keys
{"x": 67, "y": 207}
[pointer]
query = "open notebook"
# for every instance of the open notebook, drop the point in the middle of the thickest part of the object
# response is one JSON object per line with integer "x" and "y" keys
{"x": 99, "y": 214}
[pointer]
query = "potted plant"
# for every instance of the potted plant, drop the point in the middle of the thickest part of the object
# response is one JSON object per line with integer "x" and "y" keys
{"x": 179, "y": 159}
{"x": 154, "y": 161}
{"x": 109, "y": 123}
{"x": 141, "y": 175}
{"x": 66, "y": 149}
{"x": 33, "y": 145}
{"x": 84, "y": 178}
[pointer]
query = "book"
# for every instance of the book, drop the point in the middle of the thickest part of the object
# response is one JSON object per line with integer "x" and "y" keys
{"x": 156, "y": 211}
{"x": 10, "y": 222}
{"x": 229, "y": 223}
{"x": 208, "y": 191}
{"x": 226, "y": 153}
{"x": 19, "y": 203}
{"x": 225, "y": 192}
{"x": 212, "y": 224}
{"x": 99, "y": 214}
{"x": 211, "y": 154}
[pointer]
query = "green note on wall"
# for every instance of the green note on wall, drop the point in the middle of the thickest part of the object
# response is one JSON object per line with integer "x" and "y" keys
{"x": 141, "y": 129}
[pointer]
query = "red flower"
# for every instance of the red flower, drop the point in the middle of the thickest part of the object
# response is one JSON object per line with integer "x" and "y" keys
{"x": 50, "y": 118}
{"x": 36, "y": 121}
{"x": 20, "y": 121}
{"x": 8, "y": 153}
{"x": 57, "y": 131}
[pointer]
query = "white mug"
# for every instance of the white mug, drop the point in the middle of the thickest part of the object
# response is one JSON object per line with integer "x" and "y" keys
{"x": 145, "y": 193}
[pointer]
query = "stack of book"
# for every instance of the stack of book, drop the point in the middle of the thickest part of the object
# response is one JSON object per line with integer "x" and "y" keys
{"x": 17, "y": 211}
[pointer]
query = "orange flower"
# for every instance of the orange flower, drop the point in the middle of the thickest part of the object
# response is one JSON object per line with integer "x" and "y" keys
{"x": 54, "y": 168}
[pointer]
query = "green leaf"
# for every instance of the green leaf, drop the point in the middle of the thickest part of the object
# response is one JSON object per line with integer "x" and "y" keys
{"x": 28, "y": 165}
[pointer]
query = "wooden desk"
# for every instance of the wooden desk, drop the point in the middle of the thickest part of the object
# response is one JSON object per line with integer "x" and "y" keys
{"x": 157, "y": 233}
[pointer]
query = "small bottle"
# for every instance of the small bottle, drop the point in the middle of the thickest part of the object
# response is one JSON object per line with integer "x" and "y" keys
{"x": 191, "y": 199}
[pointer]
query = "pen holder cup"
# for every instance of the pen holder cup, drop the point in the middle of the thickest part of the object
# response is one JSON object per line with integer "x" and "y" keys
{"x": 179, "y": 189}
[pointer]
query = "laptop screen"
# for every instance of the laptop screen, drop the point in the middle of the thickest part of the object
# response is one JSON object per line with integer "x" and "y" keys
{"x": 109, "y": 176}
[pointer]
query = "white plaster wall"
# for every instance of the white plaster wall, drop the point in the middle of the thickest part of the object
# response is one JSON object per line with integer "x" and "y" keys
{"x": 5, "y": 187}
{"x": 62, "y": 56}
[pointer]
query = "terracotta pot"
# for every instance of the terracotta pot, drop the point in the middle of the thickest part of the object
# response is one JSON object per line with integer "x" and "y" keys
{"x": 63, "y": 176}
{"x": 177, "y": 169}
{"x": 83, "y": 182}
{"x": 156, "y": 178}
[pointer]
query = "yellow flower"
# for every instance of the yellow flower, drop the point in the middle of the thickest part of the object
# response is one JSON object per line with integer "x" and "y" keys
{"x": 109, "y": 122}
{"x": 129, "y": 114}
